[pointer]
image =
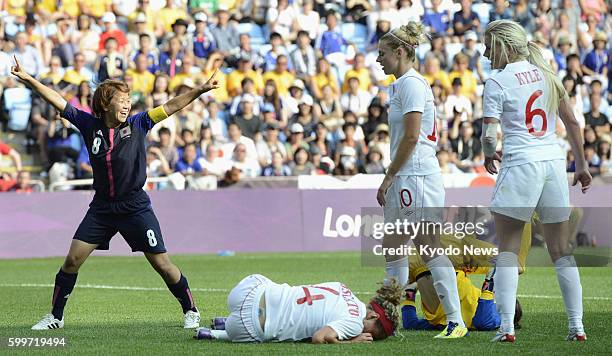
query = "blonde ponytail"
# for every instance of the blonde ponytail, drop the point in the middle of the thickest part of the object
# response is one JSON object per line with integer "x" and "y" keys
{"x": 553, "y": 83}
{"x": 408, "y": 36}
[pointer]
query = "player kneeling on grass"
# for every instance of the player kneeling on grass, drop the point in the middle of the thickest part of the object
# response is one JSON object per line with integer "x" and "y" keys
{"x": 115, "y": 142}
{"x": 478, "y": 308}
{"x": 326, "y": 313}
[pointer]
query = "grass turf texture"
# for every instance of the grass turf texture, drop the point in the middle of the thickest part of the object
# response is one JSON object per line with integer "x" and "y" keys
{"x": 150, "y": 321}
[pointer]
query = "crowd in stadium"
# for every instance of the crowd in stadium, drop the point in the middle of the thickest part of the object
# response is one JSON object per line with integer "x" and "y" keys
{"x": 301, "y": 91}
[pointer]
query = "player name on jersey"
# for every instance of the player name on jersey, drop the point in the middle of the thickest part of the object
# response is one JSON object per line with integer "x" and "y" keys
{"x": 529, "y": 77}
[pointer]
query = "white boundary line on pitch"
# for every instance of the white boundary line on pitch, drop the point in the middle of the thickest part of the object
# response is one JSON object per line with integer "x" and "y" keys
{"x": 222, "y": 290}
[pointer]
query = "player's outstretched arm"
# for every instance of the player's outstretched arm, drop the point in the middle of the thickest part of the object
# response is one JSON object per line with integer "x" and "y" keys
{"x": 574, "y": 135}
{"x": 48, "y": 94}
{"x": 178, "y": 103}
{"x": 327, "y": 335}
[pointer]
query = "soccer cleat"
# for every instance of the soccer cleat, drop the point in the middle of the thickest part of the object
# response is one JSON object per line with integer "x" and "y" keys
{"x": 218, "y": 323}
{"x": 203, "y": 334}
{"x": 503, "y": 337}
{"x": 191, "y": 320}
{"x": 49, "y": 322}
{"x": 575, "y": 335}
{"x": 452, "y": 331}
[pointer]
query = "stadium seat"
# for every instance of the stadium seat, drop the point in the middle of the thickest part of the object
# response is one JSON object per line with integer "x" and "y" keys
{"x": 18, "y": 104}
{"x": 356, "y": 33}
{"x": 482, "y": 10}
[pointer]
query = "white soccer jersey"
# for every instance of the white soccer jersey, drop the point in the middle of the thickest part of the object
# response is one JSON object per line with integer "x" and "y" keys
{"x": 409, "y": 93}
{"x": 517, "y": 97}
{"x": 296, "y": 313}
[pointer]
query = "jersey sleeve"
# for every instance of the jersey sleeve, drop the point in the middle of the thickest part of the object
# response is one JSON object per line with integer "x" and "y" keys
{"x": 347, "y": 328}
{"x": 147, "y": 119}
{"x": 82, "y": 120}
{"x": 493, "y": 102}
{"x": 413, "y": 95}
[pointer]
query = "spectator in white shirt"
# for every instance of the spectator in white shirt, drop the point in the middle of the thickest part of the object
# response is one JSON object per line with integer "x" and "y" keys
{"x": 458, "y": 102}
{"x": 356, "y": 100}
{"x": 236, "y": 137}
{"x": 247, "y": 165}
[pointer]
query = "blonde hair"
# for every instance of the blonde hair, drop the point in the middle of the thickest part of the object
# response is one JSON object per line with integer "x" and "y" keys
{"x": 389, "y": 296}
{"x": 408, "y": 36}
{"x": 511, "y": 40}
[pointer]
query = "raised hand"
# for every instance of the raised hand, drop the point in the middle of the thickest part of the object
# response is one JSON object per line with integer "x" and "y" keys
{"x": 212, "y": 83}
{"x": 18, "y": 71}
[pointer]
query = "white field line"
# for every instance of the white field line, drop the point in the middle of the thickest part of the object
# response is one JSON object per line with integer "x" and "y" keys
{"x": 222, "y": 290}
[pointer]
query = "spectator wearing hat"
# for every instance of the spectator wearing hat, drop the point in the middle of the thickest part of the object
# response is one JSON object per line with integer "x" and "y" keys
{"x": 381, "y": 141}
{"x": 437, "y": 20}
{"x": 235, "y": 137}
{"x": 433, "y": 73}
{"x": 297, "y": 93}
{"x": 225, "y": 33}
{"x": 360, "y": 71}
{"x": 111, "y": 65}
{"x": 356, "y": 99}
{"x": 179, "y": 29}
{"x": 295, "y": 140}
{"x": 561, "y": 52}
{"x": 474, "y": 55}
{"x": 303, "y": 57}
{"x": 247, "y": 165}
{"x": 500, "y": 11}
{"x": 281, "y": 76}
{"x": 465, "y": 20}
{"x": 245, "y": 70}
{"x": 457, "y": 102}
{"x": 270, "y": 144}
{"x": 305, "y": 116}
{"x": 277, "y": 167}
{"x": 168, "y": 15}
{"x": 324, "y": 76}
{"x": 596, "y": 61}
{"x": 348, "y": 164}
{"x": 111, "y": 31}
{"x": 468, "y": 80}
{"x": 301, "y": 165}
{"x": 563, "y": 30}
{"x": 201, "y": 42}
{"x": 249, "y": 123}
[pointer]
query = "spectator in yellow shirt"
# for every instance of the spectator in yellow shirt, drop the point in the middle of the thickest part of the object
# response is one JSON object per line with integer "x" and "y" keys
{"x": 214, "y": 63}
{"x": 280, "y": 75}
{"x": 96, "y": 8}
{"x": 322, "y": 78}
{"x": 187, "y": 71}
{"x": 142, "y": 79}
{"x": 245, "y": 70}
{"x": 360, "y": 71}
{"x": 468, "y": 80}
{"x": 433, "y": 73}
{"x": 168, "y": 15}
{"x": 15, "y": 8}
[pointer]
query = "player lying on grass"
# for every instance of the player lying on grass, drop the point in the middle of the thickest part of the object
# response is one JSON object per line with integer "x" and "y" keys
{"x": 478, "y": 308}
{"x": 115, "y": 142}
{"x": 326, "y": 313}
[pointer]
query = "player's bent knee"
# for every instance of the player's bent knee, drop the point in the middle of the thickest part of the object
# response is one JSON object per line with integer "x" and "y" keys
{"x": 72, "y": 263}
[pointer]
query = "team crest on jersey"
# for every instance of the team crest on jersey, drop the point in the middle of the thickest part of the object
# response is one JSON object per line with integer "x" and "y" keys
{"x": 125, "y": 132}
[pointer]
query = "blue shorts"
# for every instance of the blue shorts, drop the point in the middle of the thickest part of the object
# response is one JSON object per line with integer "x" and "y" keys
{"x": 134, "y": 219}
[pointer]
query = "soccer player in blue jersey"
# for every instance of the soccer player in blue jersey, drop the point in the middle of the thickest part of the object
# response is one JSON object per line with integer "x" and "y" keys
{"x": 116, "y": 145}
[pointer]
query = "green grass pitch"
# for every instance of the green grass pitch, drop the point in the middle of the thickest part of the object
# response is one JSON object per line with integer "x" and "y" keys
{"x": 147, "y": 320}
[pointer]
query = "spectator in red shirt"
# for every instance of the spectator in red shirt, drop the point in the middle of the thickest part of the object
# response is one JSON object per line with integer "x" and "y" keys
{"x": 22, "y": 185}
{"x": 111, "y": 30}
{"x": 15, "y": 156}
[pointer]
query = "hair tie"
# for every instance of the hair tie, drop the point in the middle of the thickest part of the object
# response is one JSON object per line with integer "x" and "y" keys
{"x": 404, "y": 42}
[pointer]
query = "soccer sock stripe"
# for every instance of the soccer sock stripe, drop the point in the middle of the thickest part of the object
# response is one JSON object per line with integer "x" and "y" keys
{"x": 445, "y": 284}
{"x": 506, "y": 285}
{"x": 571, "y": 289}
{"x": 182, "y": 293}
{"x": 64, "y": 284}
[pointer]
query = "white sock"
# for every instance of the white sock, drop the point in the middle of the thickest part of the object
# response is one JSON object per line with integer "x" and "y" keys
{"x": 445, "y": 284}
{"x": 397, "y": 269}
{"x": 219, "y": 334}
{"x": 506, "y": 285}
{"x": 571, "y": 289}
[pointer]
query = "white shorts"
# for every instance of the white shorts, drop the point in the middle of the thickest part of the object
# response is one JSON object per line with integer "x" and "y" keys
{"x": 242, "y": 324}
{"x": 537, "y": 186}
{"x": 415, "y": 198}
